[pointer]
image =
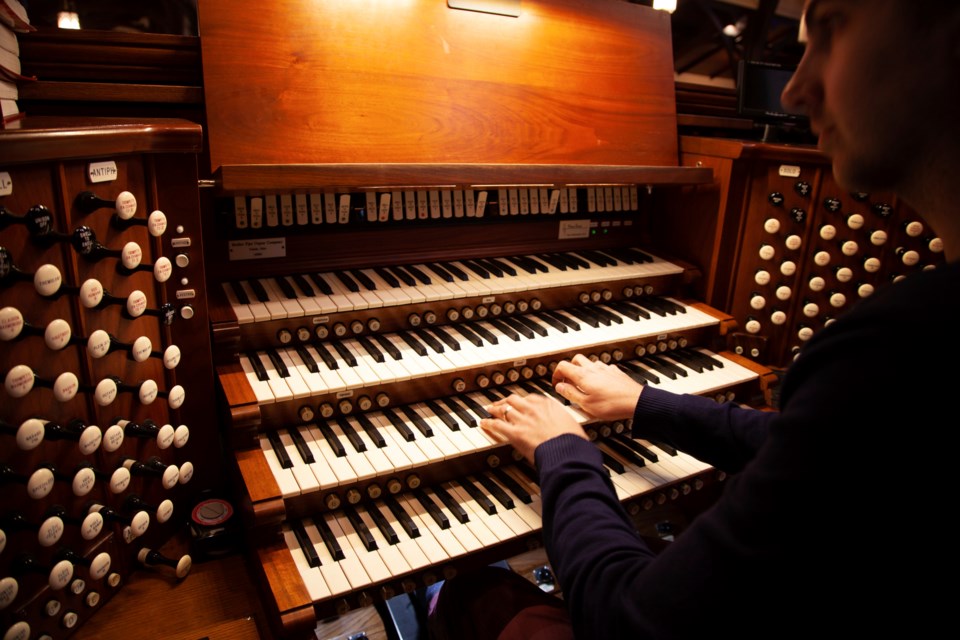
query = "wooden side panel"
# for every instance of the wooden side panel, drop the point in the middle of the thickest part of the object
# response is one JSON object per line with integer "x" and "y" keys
{"x": 568, "y": 81}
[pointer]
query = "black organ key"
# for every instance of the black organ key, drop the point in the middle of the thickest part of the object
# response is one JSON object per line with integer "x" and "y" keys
{"x": 612, "y": 463}
{"x": 478, "y": 495}
{"x": 447, "y": 339}
{"x": 328, "y": 538}
{"x": 528, "y": 471}
{"x": 532, "y": 324}
{"x": 387, "y": 277}
{"x": 279, "y": 449}
{"x": 626, "y": 452}
{"x": 285, "y": 287}
{"x": 576, "y": 260}
{"x": 402, "y": 516}
{"x": 459, "y": 411}
{"x": 413, "y": 343}
{"x": 360, "y": 527}
{"x": 581, "y": 314}
{"x": 344, "y": 353}
{"x": 301, "y": 282}
{"x": 651, "y": 304}
{"x": 451, "y": 503}
{"x": 419, "y": 275}
{"x": 431, "y": 341}
{"x": 389, "y": 534}
{"x": 442, "y": 273}
{"x": 687, "y": 360}
{"x": 399, "y": 424}
{"x": 503, "y": 328}
{"x": 457, "y": 272}
{"x": 371, "y": 348}
{"x": 484, "y": 333}
{"x": 496, "y": 491}
{"x": 371, "y": 430}
{"x": 605, "y": 255}
{"x": 452, "y": 424}
{"x": 632, "y": 444}
{"x": 417, "y": 421}
{"x": 363, "y": 279}
{"x": 510, "y": 483}
{"x": 494, "y": 267}
{"x": 503, "y": 266}
{"x": 278, "y": 363}
{"x": 523, "y": 263}
{"x": 321, "y": 284}
{"x": 305, "y": 454}
{"x": 519, "y": 327}
{"x": 659, "y": 366}
{"x": 326, "y": 356}
{"x": 475, "y": 406}
{"x": 562, "y": 319}
{"x": 493, "y": 394}
{"x": 258, "y": 367}
{"x": 669, "y": 449}
{"x": 708, "y": 361}
{"x": 638, "y": 373}
{"x": 338, "y": 449}
{"x": 347, "y": 281}
{"x": 303, "y": 539}
{"x": 239, "y": 292}
{"x": 404, "y": 276}
{"x": 477, "y": 269}
{"x": 536, "y": 264}
{"x": 547, "y": 389}
{"x": 258, "y": 290}
{"x": 553, "y": 261}
{"x": 632, "y": 311}
{"x": 358, "y": 444}
{"x": 432, "y": 508}
{"x": 469, "y": 334}
{"x": 666, "y": 364}
{"x": 388, "y": 346}
{"x": 607, "y": 313}
{"x": 638, "y": 255}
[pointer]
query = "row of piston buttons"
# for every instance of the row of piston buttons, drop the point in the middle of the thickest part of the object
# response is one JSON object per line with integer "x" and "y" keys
{"x": 778, "y": 317}
{"x": 816, "y": 283}
{"x": 374, "y": 491}
{"x": 661, "y": 497}
{"x": 326, "y": 410}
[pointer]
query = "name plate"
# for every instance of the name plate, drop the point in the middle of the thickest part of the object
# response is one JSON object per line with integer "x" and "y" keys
{"x": 257, "y": 249}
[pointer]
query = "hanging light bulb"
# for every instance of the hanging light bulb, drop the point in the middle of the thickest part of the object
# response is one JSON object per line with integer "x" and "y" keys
{"x": 67, "y": 17}
{"x": 665, "y": 5}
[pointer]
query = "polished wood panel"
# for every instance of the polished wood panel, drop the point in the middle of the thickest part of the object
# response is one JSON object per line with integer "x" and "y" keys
{"x": 418, "y": 81}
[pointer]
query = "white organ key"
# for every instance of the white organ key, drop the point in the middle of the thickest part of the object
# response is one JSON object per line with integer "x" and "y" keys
{"x": 405, "y": 545}
{"x": 352, "y": 564}
{"x": 396, "y": 449}
{"x": 309, "y": 304}
{"x": 374, "y": 454}
{"x": 387, "y": 294}
{"x": 313, "y": 381}
{"x": 312, "y": 578}
{"x": 346, "y": 373}
{"x": 284, "y": 477}
{"x": 362, "y": 469}
{"x": 339, "y": 465}
{"x": 536, "y": 504}
{"x": 456, "y": 535}
{"x": 410, "y": 360}
{"x": 257, "y": 308}
{"x": 302, "y": 473}
{"x": 278, "y": 386}
{"x": 428, "y": 542}
{"x": 365, "y": 364}
{"x": 345, "y": 299}
{"x": 294, "y": 380}
{"x": 390, "y": 554}
{"x": 372, "y": 563}
{"x": 333, "y": 575}
{"x": 422, "y": 450}
{"x": 510, "y": 518}
{"x": 320, "y": 468}
{"x": 261, "y": 388}
{"x": 525, "y": 512}
{"x": 448, "y": 448}
{"x": 329, "y": 378}
{"x": 242, "y": 311}
{"x": 489, "y": 529}
{"x": 274, "y": 306}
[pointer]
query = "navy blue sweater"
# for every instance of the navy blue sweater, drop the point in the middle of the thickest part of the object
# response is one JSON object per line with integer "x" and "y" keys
{"x": 833, "y": 520}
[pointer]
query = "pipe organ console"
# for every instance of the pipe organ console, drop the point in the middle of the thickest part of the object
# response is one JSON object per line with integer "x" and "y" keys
{"x": 804, "y": 250}
{"x": 404, "y": 228}
{"x": 106, "y": 419}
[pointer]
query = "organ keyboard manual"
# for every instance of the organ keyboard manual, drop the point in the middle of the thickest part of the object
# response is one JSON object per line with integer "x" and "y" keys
{"x": 417, "y": 209}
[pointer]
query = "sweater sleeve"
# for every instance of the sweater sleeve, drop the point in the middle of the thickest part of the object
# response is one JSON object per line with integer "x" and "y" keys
{"x": 725, "y": 436}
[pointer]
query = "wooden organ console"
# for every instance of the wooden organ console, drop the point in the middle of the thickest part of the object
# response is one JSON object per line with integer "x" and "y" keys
{"x": 415, "y": 209}
{"x": 106, "y": 416}
{"x": 805, "y": 250}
